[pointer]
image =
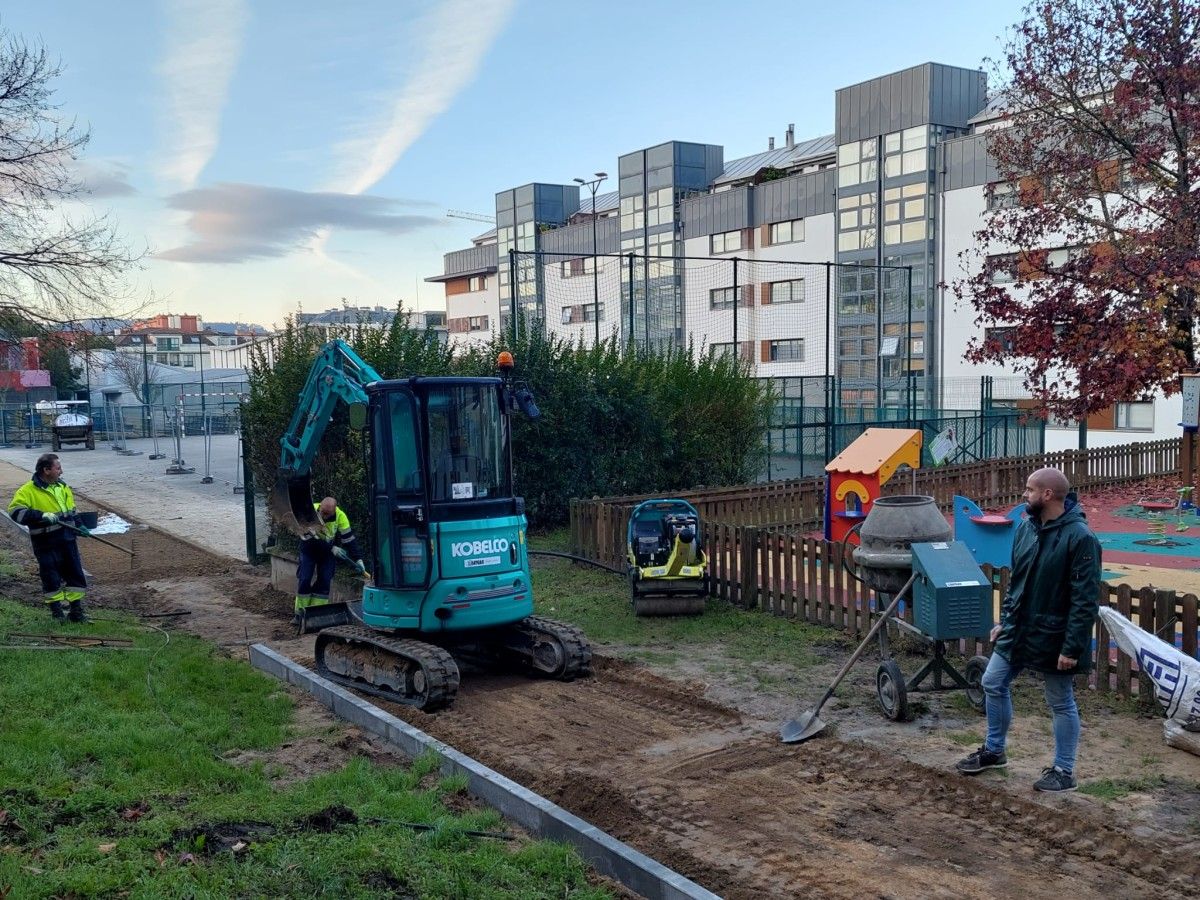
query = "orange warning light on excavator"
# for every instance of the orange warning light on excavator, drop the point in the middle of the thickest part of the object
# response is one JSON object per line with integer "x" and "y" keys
{"x": 504, "y": 361}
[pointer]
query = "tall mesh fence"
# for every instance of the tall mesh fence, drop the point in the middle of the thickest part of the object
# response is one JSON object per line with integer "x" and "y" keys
{"x": 843, "y": 345}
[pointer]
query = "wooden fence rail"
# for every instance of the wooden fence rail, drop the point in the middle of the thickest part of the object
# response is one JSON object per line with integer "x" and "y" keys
{"x": 760, "y": 559}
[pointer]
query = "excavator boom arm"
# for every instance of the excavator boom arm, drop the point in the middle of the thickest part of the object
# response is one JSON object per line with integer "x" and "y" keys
{"x": 338, "y": 374}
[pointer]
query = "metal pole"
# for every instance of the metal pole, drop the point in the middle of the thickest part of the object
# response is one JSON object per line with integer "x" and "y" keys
{"x": 145, "y": 377}
{"x": 879, "y": 301}
{"x": 248, "y": 504}
{"x": 512, "y": 287}
{"x": 632, "y": 321}
{"x": 202, "y": 407}
{"x": 908, "y": 339}
{"x": 828, "y": 364}
{"x": 207, "y": 479}
{"x": 737, "y": 348}
{"x": 595, "y": 266}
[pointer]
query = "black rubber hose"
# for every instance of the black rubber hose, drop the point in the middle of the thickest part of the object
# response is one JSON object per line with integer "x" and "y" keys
{"x": 581, "y": 559}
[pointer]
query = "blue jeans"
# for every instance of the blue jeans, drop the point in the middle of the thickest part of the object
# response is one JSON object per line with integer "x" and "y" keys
{"x": 1060, "y": 697}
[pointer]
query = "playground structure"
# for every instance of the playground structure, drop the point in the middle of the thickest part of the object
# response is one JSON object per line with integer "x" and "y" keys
{"x": 856, "y": 476}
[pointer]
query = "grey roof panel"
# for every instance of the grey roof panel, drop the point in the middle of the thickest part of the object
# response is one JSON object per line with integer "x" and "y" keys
{"x": 604, "y": 202}
{"x": 780, "y": 157}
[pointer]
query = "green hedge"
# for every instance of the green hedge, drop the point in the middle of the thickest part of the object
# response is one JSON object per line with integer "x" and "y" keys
{"x": 615, "y": 419}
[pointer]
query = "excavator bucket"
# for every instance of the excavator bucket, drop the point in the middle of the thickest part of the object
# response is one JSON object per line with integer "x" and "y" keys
{"x": 291, "y": 504}
{"x": 316, "y": 618}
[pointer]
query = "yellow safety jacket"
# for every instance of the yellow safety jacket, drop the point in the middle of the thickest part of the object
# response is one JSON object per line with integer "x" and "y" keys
{"x": 337, "y": 532}
{"x": 36, "y": 497}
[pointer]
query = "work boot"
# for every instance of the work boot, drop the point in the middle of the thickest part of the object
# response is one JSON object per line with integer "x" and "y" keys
{"x": 1055, "y": 781}
{"x": 56, "y": 611}
{"x": 76, "y": 613}
{"x": 981, "y": 759}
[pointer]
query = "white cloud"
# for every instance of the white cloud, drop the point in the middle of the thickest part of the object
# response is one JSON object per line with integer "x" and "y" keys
{"x": 202, "y": 47}
{"x": 234, "y": 223}
{"x": 453, "y": 39}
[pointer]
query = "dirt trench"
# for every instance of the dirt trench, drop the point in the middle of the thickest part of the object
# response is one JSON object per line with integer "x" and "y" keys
{"x": 693, "y": 783}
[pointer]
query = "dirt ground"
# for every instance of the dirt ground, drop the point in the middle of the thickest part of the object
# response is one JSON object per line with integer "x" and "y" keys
{"x": 691, "y": 772}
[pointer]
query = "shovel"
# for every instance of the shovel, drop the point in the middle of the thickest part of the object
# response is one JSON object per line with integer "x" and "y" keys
{"x": 95, "y": 538}
{"x": 809, "y": 723}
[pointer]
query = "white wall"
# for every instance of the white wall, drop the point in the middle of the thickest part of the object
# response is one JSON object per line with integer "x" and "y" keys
{"x": 961, "y": 214}
{"x": 475, "y": 303}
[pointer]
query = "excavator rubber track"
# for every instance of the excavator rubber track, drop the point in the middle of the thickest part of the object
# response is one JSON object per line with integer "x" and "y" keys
{"x": 546, "y": 648}
{"x": 397, "y": 669}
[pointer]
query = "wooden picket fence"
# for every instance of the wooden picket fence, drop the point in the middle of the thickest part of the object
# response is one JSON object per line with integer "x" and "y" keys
{"x": 598, "y": 525}
{"x": 760, "y": 558}
{"x": 784, "y": 574}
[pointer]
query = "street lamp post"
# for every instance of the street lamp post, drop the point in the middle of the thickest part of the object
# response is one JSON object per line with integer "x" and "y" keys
{"x": 592, "y": 186}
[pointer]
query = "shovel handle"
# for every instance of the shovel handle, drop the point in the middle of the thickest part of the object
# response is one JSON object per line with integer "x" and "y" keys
{"x": 95, "y": 538}
{"x": 854, "y": 657}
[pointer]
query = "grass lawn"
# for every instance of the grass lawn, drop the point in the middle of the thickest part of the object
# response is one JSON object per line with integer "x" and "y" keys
{"x": 113, "y": 782}
{"x": 598, "y": 602}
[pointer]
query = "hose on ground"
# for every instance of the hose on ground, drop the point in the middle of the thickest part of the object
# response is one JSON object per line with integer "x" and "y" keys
{"x": 580, "y": 559}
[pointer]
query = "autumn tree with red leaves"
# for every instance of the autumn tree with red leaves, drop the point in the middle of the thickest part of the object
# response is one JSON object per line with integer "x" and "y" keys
{"x": 1096, "y": 222}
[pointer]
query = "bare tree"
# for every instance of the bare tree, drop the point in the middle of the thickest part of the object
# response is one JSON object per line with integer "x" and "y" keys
{"x": 134, "y": 373}
{"x": 52, "y": 265}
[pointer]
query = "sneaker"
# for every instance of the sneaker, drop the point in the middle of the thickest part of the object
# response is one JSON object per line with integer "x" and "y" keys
{"x": 981, "y": 759}
{"x": 1055, "y": 781}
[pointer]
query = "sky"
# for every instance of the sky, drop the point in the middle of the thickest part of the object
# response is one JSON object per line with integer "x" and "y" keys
{"x": 274, "y": 156}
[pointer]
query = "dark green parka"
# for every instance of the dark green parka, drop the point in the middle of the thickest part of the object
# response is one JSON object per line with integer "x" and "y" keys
{"x": 1053, "y": 595}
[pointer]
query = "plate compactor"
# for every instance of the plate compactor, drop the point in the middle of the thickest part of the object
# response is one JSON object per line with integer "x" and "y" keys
{"x": 668, "y": 570}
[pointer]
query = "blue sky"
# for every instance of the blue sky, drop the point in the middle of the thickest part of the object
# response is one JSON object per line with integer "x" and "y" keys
{"x": 280, "y": 155}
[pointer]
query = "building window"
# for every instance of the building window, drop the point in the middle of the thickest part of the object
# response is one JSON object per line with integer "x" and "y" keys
{"x": 856, "y": 290}
{"x": 477, "y": 323}
{"x": 717, "y": 350}
{"x": 787, "y": 232}
{"x": 1003, "y": 195}
{"x": 857, "y": 163}
{"x": 906, "y": 152}
{"x": 905, "y": 213}
{"x": 791, "y": 350}
{"x": 726, "y": 242}
{"x": 1003, "y": 268}
{"x": 660, "y": 207}
{"x": 787, "y": 291}
{"x": 856, "y": 222}
{"x": 721, "y": 298}
{"x": 1003, "y": 336}
{"x": 633, "y": 213}
{"x": 167, "y": 344}
{"x": 895, "y": 283}
{"x": 477, "y": 283}
{"x": 581, "y": 312}
{"x": 1135, "y": 416}
{"x": 1058, "y": 259}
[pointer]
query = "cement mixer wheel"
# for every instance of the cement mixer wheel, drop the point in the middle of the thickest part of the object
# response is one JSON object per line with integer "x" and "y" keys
{"x": 976, "y": 666}
{"x": 890, "y": 691}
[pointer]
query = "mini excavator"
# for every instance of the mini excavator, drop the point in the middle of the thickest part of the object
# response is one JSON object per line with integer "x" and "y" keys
{"x": 450, "y": 570}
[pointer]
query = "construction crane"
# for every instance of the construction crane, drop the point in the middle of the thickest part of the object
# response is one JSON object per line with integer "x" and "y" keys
{"x": 474, "y": 217}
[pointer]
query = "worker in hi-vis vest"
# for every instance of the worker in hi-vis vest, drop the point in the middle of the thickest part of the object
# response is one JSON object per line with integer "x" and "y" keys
{"x": 46, "y": 506}
{"x": 319, "y": 553}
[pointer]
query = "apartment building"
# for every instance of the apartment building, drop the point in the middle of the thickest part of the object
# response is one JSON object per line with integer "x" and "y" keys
{"x": 828, "y": 256}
